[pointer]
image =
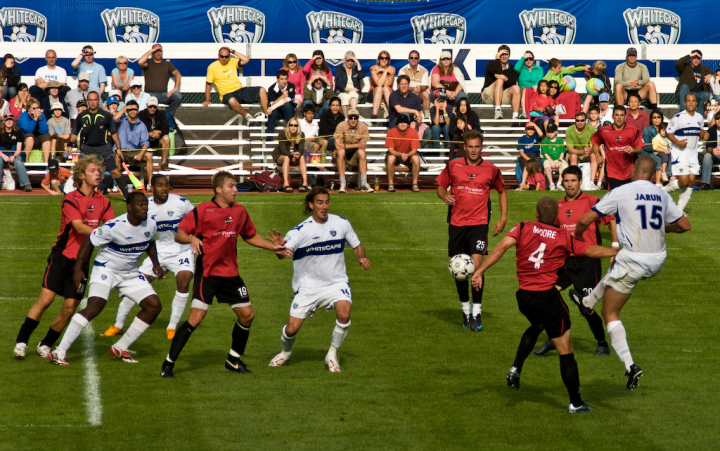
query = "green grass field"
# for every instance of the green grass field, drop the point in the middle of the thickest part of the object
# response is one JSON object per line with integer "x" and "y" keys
{"x": 412, "y": 377}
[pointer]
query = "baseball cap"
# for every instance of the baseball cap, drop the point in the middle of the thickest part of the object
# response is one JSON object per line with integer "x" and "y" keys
{"x": 604, "y": 97}
{"x": 115, "y": 92}
{"x": 112, "y": 99}
{"x": 135, "y": 82}
{"x": 84, "y": 76}
{"x": 57, "y": 106}
{"x": 632, "y": 51}
{"x": 53, "y": 166}
{"x": 152, "y": 101}
{"x": 81, "y": 103}
{"x": 354, "y": 113}
{"x": 403, "y": 119}
{"x": 529, "y": 126}
{"x": 445, "y": 54}
{"x": 552, "y": 128}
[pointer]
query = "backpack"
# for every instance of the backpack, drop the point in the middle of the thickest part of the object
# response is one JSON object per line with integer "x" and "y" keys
{"x": 268, "y": 181}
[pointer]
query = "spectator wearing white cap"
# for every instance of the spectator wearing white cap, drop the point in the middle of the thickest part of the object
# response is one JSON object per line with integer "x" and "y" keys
{"x": 501, "y": 83}
{"x": 85, "y": 63}
{"x": 157, "y": 76}
{"x": 53, "y": 95}
{"x": 78, "y": 94}
{"x": 137, "y": 94}
{"x": 158, "y": 129}
{"x": 449, "y": 77}
{"x": 59, "y": 129}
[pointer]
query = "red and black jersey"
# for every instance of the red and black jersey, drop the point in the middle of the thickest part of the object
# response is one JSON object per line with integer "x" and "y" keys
{"x": 471, "y": 187}
{"x": 570, "y": 212}
{"x": 218, "y": 228}
{"x": 619, "y": 162}
{"x": 541, "y": 251}
{"x": 90, "y": 209}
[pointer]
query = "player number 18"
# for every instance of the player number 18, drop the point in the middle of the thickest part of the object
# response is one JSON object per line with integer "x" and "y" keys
{"x": 537, "y": 256}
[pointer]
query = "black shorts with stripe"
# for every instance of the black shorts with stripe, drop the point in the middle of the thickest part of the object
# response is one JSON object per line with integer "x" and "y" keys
{"x": 467, "y": 240}
{"x": 58, "y": 276}
{"x": 545, "y": 308}
{"x": 583, "y": 273}
{"x": 227, "y": 290}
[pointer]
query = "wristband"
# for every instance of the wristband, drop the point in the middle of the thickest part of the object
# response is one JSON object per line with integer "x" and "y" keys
{"x": 615, "y": 244}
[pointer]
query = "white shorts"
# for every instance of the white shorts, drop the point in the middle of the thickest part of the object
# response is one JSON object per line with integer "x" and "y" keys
{"x": 685, "y": 168}
{"x": 630, "y": 268}
{"x": 346, "y": 96}
{"x": 131, "y": 284}
{"x": 174, "y": 263}
{"x": 306, "y": 303}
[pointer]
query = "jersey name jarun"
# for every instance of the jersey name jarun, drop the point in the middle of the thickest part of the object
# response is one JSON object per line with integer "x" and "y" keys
{"x": 685, "y": 127}
{"x": 319, "y": 260}
{"x": 167, "y": 216}
{"x": 122, "y": 244}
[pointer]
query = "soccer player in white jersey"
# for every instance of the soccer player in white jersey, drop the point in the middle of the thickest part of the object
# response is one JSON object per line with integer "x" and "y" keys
{"x": 320, "y": 279}
{"x": 683, "y": 132}
{"x": 167, "y": 210}
{"x": 644, "y": 214}
{"x": 122, "y": 242}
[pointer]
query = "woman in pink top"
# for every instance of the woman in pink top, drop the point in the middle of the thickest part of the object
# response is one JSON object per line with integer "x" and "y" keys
{"x": 449, "y": 77}
{"x": 296, "y": 77}
{"x": 318, "y": 63}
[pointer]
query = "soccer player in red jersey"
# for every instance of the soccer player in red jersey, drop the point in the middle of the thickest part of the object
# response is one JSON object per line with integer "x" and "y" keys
{"x": 583, "y": 273}
{"x": 212, "y": 230}
{"x": 82, "y": 212}
{"x": 469, "y": 210}
{"x": 542, "y": 249}
{"x": 622, "y": 143}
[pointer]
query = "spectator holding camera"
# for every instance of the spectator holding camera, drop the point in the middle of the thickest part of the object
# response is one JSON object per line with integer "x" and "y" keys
{"x": 85, "y": 64}
{"x": 282, "y": 98}
{"x": 694, "y": 78}
{"x": 501, "y": 83}
{"x": 382, "y": 75}
{"x": 348, "y": 82}
{"x": 34, "y": 127}
{"x": 440, "y": 117}
{"x": 449, "y": 77}
{"x": 419, "y": 79}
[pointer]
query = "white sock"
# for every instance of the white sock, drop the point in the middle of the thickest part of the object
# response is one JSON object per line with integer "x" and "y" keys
{"x": 595, "y": 295}
{"x": 476, "y": 309}
{"x": 515, "y": 114}
{"x": 248, "y": 116}
{"x": 77, "y": 324}
{"x": 465, "y": 307}
{"x": 287, "y": 342}
{"x": 234, "y": 354}
{"x": 497, "y": 108}
{"x": 136, "y": 329}
{"x": 178, "y": 307}
{"x": 123, "y": 311}
{"x": 339, "y": 334}
{"x": 672, "y": 186}
{"x": 342, "y": 180}
{"x": 618, "y": 339}
{"x": 684, "y": 198}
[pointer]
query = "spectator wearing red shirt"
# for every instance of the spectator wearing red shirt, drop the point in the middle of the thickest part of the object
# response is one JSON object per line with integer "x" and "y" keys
{"x": 634, "y": 116}
{"x": 402, "y": 144}
{"x": 82, "y": 212}
{"x": 54, "y": 181}
{"x": 212, "y": 230}
{"x": 471, "y": 179}
{"x": 541, "y": 251}
{"x": 622, "y": 143}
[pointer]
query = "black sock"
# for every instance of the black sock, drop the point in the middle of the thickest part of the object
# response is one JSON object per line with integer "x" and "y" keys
{"x": 653, "y": 106}
{"x": 122, "y": 184}
{"x": 477, "y": 295}
{"x": 462, "y": 289}
{"x": 179, "y": 340}
{"x": 240, "y": 335}
{"x": 527, "y": 343}
{"x": 26, "y": 329}
{"x": 571, "y": 378}
{"x": 596, "y": 326}
{"x": 51, "y": 337}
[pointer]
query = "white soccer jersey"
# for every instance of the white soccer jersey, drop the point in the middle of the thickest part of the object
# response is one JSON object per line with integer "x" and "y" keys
{"x": 641, "y": 210}
{"x": 319, "y": 260}
{"x": 122, "y": 244}
{"x": 685, "y": 127}
{"x": 167, "y": 216}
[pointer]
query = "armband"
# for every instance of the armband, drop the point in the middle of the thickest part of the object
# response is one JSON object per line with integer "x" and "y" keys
{"x": 615, "y": 244}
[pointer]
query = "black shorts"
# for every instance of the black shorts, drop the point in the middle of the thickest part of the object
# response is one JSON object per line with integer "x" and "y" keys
{"x": 227, "y": 290}
{"x": 58, "y": 276}
{"x": 467, "y": 240}
{"x": 105, "y": 153}
{"x": 251, "y": 94}
{"x": 584, "y": 273}
{"x": 616, "y": 183}
{"x": 545, "y": 308}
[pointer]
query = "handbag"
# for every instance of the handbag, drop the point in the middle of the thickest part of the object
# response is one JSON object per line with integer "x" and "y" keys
{"x": 8, "y": 182}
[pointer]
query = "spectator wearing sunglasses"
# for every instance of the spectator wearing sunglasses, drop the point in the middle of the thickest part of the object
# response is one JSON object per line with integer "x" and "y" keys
{"x": 449, "y": 77}
{"x": 133, "y": 135}
{"x": 85, "y": 64}
{"x": 296, "y": 76}
{"x": 137, "y": 94}
{"x": 122, "y": 75}
{"x": 419, "y": 80}
{"x": 349, "y": 82}
{"x": 528, "y": 76}
{"x": 382, "y": 75}
{"x": 579, "y": 146}
{"x": 158, "y": 129}
{"x": 501, "y": 83}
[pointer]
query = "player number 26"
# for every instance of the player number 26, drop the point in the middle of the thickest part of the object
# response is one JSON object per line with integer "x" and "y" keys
{"x": 656, "y": 220}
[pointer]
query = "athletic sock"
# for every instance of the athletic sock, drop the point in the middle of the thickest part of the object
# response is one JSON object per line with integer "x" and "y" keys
{"x": 653, "y": 106}
{"x": 240, "y": 335}
{"x": 618, "y": 338}
{"x": 527, "y": 343}
{"x": 339, "y": 334}
{"x": 122, "y": 184}
{"x": 462, "y": 289}
{"x": 684, "y": 198}
{"x": 515, "y": 115}
{"x": 363, "y": 180}
{"x": 465, "y": 307}
{"x": 137, "y": 328}
{"x": 595, "y": 295}
{"x": 51, "y": 337}
{"x": 571, "y": 378}
{"x": 342, "y": 180}
{"x": 287, "y": 342}
{"x": 497, "y": 107}
{"x": 123, "y": 311}
{"x": 182, "y": 335}
{"x": 26, "y": 329}
{"x": 178, "y": 307}
{"x": 671, "y": 186}
{"x": 477, "y": 296}
{"x": 596, "y": 326}
{"x": 77, "y": 324}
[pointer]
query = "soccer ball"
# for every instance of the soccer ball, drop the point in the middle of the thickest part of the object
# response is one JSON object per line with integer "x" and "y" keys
{"x": 20, "y": 34}
{"x": 550, "y": 35}
{"x": 461, "y": 267}
{"x": 133, "y": 34}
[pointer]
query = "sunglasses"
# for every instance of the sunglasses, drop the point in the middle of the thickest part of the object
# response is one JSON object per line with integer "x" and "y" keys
{"x": 292, "y": 62}
{"x": 136, "y": 87}
{"x": 353, "y": 118}
{"x": 131, "y": 109}
{"x": 292, "y": 125}
{"x": 444, "y": 59}
{"x": 530, "y": 59}
{"x": 580, "y": 120}
{"x": 413, "y": 58}
{"x": 122, "y": 62}
{"x": 553, "y": 87}
{"x": 383, "y": 58}
{"x": 224, "y": 57}
{"x": 151, "y": 106}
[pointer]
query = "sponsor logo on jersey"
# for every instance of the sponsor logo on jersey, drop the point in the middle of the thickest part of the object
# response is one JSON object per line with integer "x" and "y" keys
{"x": 334, "y": 28}
{"x": 439, "y": 28}
{"x": 19, "y": 24}
{"x": 548, "y": 26}
{"x": 131, "y": 25}
{"x": 233, "y": 24}
{"x": 652, "y": 26}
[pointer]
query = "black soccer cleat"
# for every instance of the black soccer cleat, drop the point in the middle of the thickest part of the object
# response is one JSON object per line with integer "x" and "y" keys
{"x": 236, "y": 365}
{"x": 167, "y": 370}
{"x": 544, "y": 348}
{"x": 577, "y": 298}
{"x": 513, "y": 378}
{"x": 466, "y": 321}
{"x": 475, "y": 323}
{"x": 633, "y": 376}
{"x": 602, "y": 351}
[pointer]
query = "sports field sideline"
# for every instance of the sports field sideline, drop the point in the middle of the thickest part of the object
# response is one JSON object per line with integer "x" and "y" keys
{"x": 412, "y": 376}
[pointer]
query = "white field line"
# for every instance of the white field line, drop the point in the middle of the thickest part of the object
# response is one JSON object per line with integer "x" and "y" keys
{"x": 93, "y": 401}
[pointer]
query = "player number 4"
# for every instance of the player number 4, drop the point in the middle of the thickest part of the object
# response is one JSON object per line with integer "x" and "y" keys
{"x": 656, "y": 220}
{"x": 537, "y": 256}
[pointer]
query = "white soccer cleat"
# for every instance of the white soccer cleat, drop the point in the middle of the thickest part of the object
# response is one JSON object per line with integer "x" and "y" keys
{"x": 19, "y": 350}
{"x": 43, "y": 350}
{"x": 333, "y": 363}
{"x": 280, "y": 359}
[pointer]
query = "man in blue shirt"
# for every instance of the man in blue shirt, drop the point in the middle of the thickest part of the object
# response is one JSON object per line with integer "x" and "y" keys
{"x": 98, "y": 78}
{"x": 529, "y": 147}
{"x": 134, "y": 138}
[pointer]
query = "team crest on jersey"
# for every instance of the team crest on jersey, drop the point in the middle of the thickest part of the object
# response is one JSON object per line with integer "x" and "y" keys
{"x": 233, "y": 24}
{"x": 548, "y": 26}
{"x": 471, "y": 176}
{"x": 333, "y": 233}
{"x": 618, "y": 138}
{"x": 228, "y": 220}
{"x": 19, "y": 24}
{"x": 568, "y": 213}
{"x": 103, "y": 277}
{"x": 153, "y": 217}
{"x": 131, "y": 25}
{"x": 652, "y": 26}
{"x": 91, "y": 208}
{"x": 439, "y": 28}
{"x": 334, "y": 28}
{"x": 295, "y": 305}
{"x": 147, "y": 234}
{"x": 171, "y": 213}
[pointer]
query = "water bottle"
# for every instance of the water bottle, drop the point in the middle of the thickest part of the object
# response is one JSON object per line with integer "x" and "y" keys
{"x": 377, "y": 184}
{"x": 332, "y": 186}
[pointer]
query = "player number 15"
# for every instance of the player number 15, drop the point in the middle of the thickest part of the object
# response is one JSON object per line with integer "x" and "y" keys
{"x": 656, "y": 220}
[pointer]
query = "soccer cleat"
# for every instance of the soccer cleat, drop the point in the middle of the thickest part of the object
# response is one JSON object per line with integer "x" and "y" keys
{"x": 167, "y": 370}
{"x": 111, "y": 332}
{"x": 280, "y": 359}
{"x": 236, "y": 365}
{"x": 466, "y": 321}
{"x": 475, "y": 323}
{"x": 123, "y": 354}
{"x": 55, "y": 359}
{"x": 343, "y": 188}
{"x": 498, "y": 114}
{"x": 544, "y": 348}
{"x": 367, "y": 189}
{"x": 333, "y": 363}
{"x": 633, "y": 376}
{"x": 577, "y": 298}
{"x": 582, "y": 408}
{"x": 602, "y": 351}
{"x": 43, "y": 350}
{"x": 19, "y": 350}
{"x": 513, "y": 378}
{"x": 170, "y": 333}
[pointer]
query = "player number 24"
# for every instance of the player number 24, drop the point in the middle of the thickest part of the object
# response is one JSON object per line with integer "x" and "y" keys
{"x": 184, "y": 261}
{"x": 656, "y": 220}
{"x": 537, "y": 256}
